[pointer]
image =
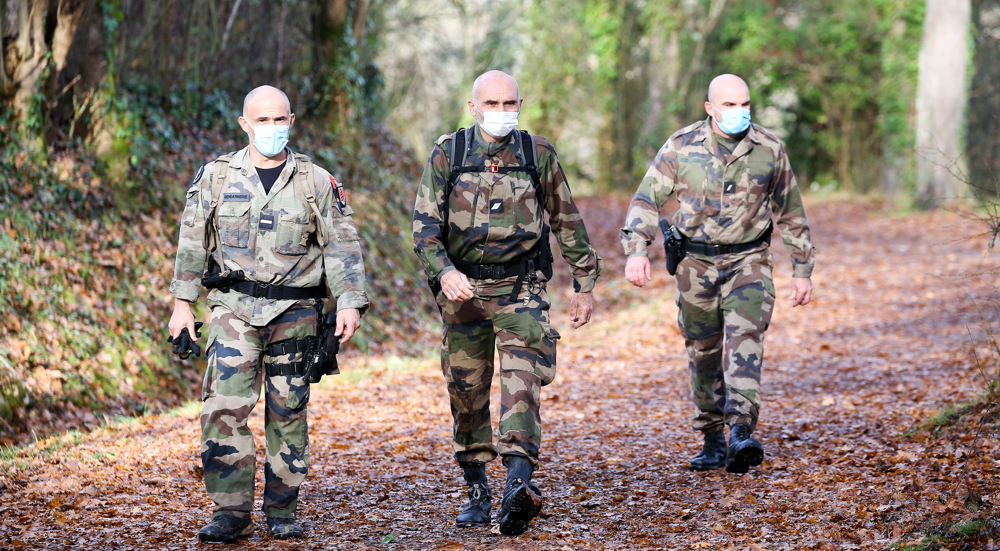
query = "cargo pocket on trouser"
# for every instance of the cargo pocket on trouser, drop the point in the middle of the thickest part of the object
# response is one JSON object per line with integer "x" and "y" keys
{"x": 234, "y": 224}
{"x": 546, "y": 359}
{"x": 209, "y": 385}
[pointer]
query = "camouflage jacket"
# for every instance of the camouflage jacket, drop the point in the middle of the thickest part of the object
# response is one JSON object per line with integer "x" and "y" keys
{"x": 724, "y": 198}
{"x": 273, "y": 256}
{"x": 494, "y": 218}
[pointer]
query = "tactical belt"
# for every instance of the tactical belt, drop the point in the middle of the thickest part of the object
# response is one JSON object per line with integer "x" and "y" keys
{"x": 273, "y": 292}
{"x": 516, "y": 267}
{"x": 708, "y": 249}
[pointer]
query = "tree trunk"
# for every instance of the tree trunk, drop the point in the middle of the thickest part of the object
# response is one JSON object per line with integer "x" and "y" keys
{"x": 629, "y": 90}
{"x": 983, "y": 145}
{"x": 30, "y": 55}
{"x": 941, "y": 99}
{"x": 69, "y": 14}
{"x": 6, "y": 84}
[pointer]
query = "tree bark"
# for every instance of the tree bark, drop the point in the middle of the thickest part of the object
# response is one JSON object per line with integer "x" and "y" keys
{"x": 941, "y": 100}
{"x": 69, "y": 14}
{"x": 30, "y": 54}
{"x": 6, "y": 84}
{"x": 983, "y": 144}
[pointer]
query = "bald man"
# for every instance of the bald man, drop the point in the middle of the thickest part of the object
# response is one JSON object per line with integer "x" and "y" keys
{"x": 480, "y": 233}
{"x": 277, "y": 235}
{"x": 729, "y": 177}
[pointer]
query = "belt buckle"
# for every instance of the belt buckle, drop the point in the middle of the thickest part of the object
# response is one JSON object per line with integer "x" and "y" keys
{"x": 494, "y": 169}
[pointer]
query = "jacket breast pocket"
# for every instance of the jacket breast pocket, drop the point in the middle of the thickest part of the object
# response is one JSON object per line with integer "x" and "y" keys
{"x": 527, "y": 210}
{"x": 291, "y": 232}
{"x": 343, "y": 226}
{"x": 234, "y": 224}
{"x": 757, "y": 180}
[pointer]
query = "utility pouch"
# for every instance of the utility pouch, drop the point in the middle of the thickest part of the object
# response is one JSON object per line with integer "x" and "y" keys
{"x": 673, "y": 245}
{"x": 321, "y": 358}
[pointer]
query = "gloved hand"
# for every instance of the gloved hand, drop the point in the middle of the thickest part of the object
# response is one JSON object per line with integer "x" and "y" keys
{"x": 184, "y": 345}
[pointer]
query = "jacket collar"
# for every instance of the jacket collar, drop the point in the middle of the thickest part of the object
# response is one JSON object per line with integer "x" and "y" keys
{"x": 241, "y": 161}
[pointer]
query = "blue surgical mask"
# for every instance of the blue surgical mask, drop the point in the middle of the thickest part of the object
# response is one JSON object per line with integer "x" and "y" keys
{"x": 271, "y": 139}
{"x": 734, "y": 121}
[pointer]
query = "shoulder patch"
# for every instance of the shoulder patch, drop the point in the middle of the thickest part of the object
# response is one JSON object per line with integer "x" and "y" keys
{"x": 444, "y": 138}
{"x": 201, "y": 171}
{"x": 338, "y": 193}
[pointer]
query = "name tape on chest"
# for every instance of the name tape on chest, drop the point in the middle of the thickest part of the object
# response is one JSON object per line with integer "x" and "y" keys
{"x": 235, "y": 197}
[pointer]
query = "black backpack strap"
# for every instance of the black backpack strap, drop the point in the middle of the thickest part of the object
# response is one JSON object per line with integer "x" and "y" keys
{"x": 531, "y": 165}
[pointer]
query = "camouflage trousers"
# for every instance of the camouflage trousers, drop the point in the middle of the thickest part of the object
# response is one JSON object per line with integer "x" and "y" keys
{"x": 724, "y": 306}
{"x": 526, "y": 342}
{"x": 233, "y": 382}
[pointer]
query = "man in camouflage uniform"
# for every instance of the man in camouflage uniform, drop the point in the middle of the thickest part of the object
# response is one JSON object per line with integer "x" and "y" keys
{"x": 728, "y": 176}
{"x": 479, "y": 231}
{"x": 282, "y": 254}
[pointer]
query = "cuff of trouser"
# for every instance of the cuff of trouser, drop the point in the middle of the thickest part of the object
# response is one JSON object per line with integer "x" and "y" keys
{"x": 185, "y": 290}
{"x": 237, "y": 514}
{"x": 353, "y": 299}
{"x": 742, "y": 420}
{"x": 505, "y": 458}
{"x": 584, "y": 284}
{"x": 802, "y": 270}
{"x": 280, "y": 513}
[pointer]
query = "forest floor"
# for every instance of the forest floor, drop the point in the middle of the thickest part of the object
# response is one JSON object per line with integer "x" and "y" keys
{"x": 850, "y": 383}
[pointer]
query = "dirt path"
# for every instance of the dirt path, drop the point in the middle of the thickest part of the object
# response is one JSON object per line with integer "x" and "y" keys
{"x": 883, "y": 346}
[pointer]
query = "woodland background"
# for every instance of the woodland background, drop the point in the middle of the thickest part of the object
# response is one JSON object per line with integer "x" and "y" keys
{"x": 110, "y": 106}
{"x": 888, "y": 108}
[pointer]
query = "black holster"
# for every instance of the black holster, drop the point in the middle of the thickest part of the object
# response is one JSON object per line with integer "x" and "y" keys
{"x": 320, "y": 351}
{"x": 321, "y": 359}
{"x": 673, "y": 245}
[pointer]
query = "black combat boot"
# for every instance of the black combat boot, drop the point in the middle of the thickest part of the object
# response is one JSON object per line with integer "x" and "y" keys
{"x": 744, "y": 452}
{"x": 713, "y": 453}
{"x": 225, "y": 528}
{"x": 522, "y": 500}
{"x": 477, "y": 511}
{"x": 283, "y": 528}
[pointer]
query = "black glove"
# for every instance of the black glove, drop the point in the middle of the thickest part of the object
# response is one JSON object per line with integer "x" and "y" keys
{"x": 184, "y": 345}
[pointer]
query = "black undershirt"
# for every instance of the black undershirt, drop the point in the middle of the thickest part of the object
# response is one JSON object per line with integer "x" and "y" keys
{"x": 268, "y": 176}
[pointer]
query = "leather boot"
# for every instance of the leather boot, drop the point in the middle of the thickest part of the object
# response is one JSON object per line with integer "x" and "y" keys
{"x": 522, "y": 500}
{"x": 283, "y": 528}
{"x": 713, "y": 453}
{"x": 225, "y": 528}
{"x": 744, "y": 451}
{"x": 477, "y": 511}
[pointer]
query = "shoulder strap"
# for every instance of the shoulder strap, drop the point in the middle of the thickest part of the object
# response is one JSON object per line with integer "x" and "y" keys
{"x": 457, "y": 155}
{"x": 220, "y": 181}
{"x": 459, "y": 152}
{"x": 305, "y": 188}
{"x": 531, "y": 164}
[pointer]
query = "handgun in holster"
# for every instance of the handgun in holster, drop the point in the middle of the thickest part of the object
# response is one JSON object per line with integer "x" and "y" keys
{"x": 321, "y": 358}
{"x": 673, "y": 245}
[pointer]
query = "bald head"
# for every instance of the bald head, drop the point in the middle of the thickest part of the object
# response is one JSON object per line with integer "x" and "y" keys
{"x": 494, "y": 85}
{"x": 268, "y": 96}
{"x": 725, "y": 87}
